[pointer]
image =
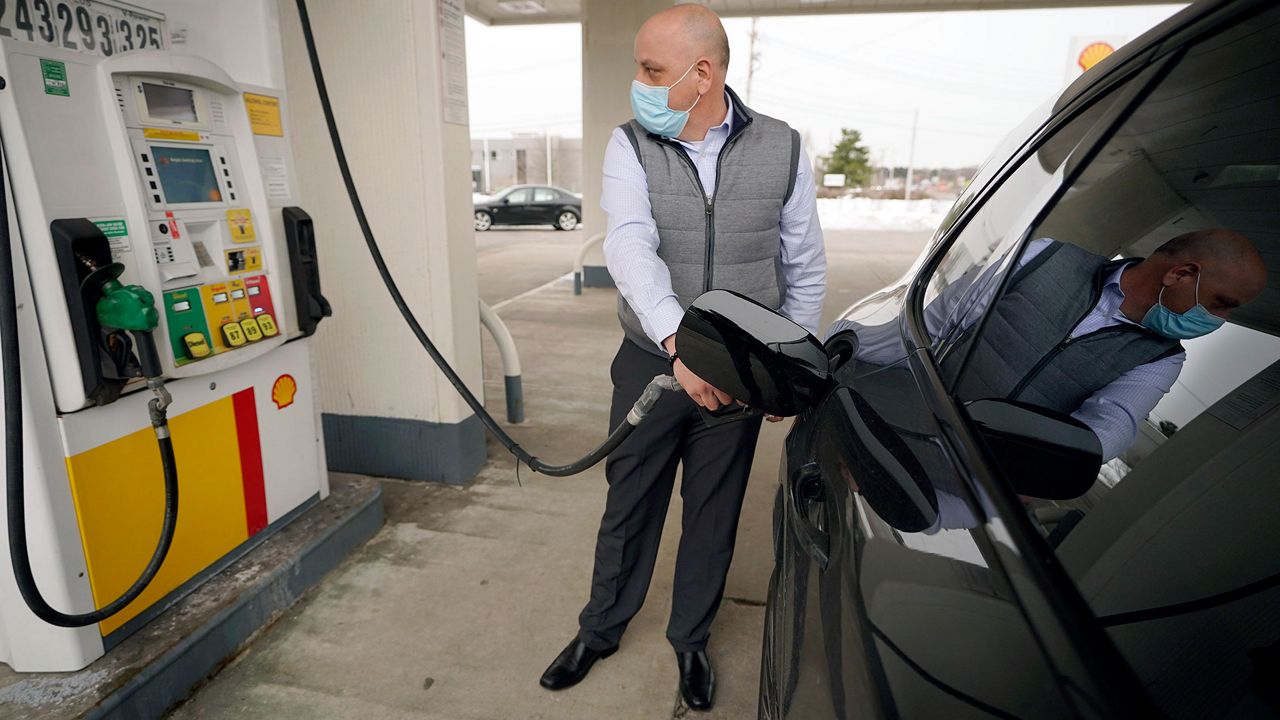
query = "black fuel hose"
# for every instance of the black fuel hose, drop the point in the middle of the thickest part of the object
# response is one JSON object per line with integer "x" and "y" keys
{"x": 15, "y": 500}
{"x": 615, "y": 438}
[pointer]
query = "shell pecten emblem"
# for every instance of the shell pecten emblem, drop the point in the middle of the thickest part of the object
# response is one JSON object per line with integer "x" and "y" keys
{"x": 1093, "y": 54}
{"x": 283, "y": 390}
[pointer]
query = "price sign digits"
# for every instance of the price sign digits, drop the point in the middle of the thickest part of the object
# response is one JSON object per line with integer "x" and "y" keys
{"x": 99, "y": 27}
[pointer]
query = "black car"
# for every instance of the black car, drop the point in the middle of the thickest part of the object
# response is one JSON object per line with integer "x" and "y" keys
{"x": 530, "y": 205}
{"x": 940, "y": 553}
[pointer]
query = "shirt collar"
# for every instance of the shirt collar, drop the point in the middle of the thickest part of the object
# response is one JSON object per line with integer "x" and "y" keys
{"x": 728, "y": 114}
{"x": 726, "y": 125}
{"x": 1113, "y": 295}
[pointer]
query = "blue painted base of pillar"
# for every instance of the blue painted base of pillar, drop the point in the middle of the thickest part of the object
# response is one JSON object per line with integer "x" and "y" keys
{"x": 597, "y": 276}
{"x": 404, "y": 448}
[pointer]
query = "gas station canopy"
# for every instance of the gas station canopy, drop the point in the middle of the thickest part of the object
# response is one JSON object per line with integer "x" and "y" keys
{"x": 528, "y": 12}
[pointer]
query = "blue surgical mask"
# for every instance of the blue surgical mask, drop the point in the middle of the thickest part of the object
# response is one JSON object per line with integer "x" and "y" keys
{"x": 649, "y": 104}
{"x": 1181, "y": 326}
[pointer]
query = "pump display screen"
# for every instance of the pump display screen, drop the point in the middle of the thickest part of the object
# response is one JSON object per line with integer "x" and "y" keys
{"x": 169, "y": 103}
{"x": 186, "y": 174}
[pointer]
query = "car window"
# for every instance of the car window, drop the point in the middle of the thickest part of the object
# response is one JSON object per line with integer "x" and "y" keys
{"x": 921, "y": 554}
{"x": 544, "y": 195}
{"x": 1173, "y": 545}
{"x": 521, "y": 195}
{"x": 970, "y": 272}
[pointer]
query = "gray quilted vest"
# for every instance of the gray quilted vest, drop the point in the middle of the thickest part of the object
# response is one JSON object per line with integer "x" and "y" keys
{"x": 1026, "y": 352}
{"x": 722, "y": 237}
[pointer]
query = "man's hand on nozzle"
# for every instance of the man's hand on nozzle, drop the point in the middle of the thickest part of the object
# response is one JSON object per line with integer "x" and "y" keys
{"x": 699, "y": 390}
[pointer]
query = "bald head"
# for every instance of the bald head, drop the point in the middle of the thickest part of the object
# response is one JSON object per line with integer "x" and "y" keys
{"x": 694, "y": 30}
{"x": 1220, "y": 268}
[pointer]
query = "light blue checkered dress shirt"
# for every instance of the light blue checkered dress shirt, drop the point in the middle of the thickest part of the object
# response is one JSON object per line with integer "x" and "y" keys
{"x": 631, "y": 244}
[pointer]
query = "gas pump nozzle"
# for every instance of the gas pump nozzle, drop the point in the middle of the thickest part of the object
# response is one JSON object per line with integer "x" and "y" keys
{"x": 130, "y": 308}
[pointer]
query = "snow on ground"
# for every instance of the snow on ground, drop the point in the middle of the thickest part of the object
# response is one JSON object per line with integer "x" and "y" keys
{"x": 869, "y": 214}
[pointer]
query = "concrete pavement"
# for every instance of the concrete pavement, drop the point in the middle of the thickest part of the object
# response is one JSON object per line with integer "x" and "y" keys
{"x": 455, "y": 608}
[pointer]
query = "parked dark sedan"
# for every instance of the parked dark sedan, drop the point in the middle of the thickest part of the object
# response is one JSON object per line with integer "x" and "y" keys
{"x": 530, "y": 205}
{"x": 948, "y": 547}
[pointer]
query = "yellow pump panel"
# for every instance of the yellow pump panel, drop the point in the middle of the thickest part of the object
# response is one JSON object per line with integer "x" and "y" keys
{"x": 119, "y": 498}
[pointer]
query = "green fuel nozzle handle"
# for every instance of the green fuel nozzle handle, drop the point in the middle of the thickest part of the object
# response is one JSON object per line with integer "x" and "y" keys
{"x": 128, "y": 307}
{"x": 123, "y": 307}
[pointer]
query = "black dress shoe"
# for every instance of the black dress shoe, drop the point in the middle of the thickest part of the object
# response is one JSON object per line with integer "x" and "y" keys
{"x": 571, "y": 665}
{"x": 697, "y": 681}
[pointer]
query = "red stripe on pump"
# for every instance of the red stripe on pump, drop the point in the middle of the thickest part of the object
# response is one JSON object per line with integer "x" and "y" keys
{"x": 255, "y": 491}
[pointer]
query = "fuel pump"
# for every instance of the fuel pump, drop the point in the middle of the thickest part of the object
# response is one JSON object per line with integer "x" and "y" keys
{"x": 159, "y": 288}
{"x": 118, "y": 308}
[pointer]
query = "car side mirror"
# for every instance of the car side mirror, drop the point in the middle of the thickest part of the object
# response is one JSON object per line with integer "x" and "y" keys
{"x": 1041, "y": 452}
{"x": 752, "y": 353}
{"x": 506, "y": 201}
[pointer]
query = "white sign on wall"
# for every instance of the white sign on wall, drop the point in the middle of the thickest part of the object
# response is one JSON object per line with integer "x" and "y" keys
{"x": 833, "y": 180}
{"x": 453, "y": 61}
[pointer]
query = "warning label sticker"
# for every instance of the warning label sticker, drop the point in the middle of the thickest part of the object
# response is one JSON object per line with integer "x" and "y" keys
{"x": 240, "y": 222}
{"x": 117, "y": 234}
{"x": 55, "y": 77}
{"x": 264, "y": 114}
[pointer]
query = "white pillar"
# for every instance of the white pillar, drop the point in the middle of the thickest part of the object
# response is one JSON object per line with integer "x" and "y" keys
{"x": 387, "y": 409}
{"x": 608, "y": 34}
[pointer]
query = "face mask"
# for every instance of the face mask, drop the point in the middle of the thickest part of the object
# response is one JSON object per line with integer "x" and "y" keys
{"x": 649, "y": 104}
{"x": 1181, "y": 326}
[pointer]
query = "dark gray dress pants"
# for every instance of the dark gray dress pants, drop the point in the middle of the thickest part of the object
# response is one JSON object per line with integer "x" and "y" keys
{"x": 641, "y": 474}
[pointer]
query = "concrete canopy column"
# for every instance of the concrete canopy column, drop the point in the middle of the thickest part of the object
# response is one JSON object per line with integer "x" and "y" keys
{"x": 608, "y": 67}
{"x": 387, "y": 410}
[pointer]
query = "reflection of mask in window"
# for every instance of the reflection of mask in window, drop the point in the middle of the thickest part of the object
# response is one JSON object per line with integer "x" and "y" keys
{"x": 1181, "y": 326}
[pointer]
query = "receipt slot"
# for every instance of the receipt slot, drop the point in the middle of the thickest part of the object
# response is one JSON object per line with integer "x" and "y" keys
{"x": 119, "y": 150}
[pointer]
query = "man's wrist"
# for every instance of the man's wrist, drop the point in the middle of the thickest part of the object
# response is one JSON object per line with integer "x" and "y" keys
{"x": 669, "y": 344}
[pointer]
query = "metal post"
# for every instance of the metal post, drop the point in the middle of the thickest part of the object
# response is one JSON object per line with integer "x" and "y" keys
{"x": 911, "y": 162}
{"x": 581, "y": 259}
{"x": 751, "y": 57}
{"x": 510, "y": 362}
{"x": 547, "y": 133}
{"x": 488, "y": 187}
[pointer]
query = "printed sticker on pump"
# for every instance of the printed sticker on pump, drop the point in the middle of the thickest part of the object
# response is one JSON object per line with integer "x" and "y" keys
{"x": 240, "y": 223}
{"x": 117, "y": 233}
{"x": 264, "y": 114}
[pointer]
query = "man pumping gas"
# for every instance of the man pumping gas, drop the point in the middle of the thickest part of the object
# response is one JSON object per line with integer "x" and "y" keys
{"x": 701, "y": 192}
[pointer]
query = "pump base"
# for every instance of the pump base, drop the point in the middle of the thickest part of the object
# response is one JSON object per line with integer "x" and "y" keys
{"x": 158, "y": 666}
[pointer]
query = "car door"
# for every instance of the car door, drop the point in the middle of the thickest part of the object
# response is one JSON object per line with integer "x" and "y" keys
{"x": 896, "y": 592}
{"x": 1173, "y": 548}
{"x": 546, "y": 205}
{"x": 513, "y": 209}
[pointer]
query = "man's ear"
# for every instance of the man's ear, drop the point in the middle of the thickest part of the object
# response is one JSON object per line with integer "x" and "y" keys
{"x": 704, "y": 70}
{"x": 1182, "y": 272}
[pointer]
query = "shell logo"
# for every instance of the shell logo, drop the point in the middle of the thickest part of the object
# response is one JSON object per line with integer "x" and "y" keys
{"x": 283, "y": 390}
{"x": 1093, "y": 54}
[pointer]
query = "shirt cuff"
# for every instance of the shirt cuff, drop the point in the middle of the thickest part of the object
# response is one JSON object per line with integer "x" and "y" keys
{"x": 664, "y": 320}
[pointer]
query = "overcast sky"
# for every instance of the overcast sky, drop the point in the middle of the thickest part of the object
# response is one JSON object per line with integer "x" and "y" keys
{"x": 972, "y": 75}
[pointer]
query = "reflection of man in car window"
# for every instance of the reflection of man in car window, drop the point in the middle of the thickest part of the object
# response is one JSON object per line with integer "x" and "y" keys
{"x": 1083, "y": 335}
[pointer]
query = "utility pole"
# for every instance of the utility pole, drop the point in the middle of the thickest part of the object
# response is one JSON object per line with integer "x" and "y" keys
{"x": 547, "y": 133}
{"x": 751, "y": 57}
{"x": 487, "y": 187}
{"x": 911, "y": 162}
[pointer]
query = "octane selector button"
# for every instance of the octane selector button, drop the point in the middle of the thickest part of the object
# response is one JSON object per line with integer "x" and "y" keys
{"x": 267, "y": 325}
{"x": 251, "y": 329}
{"x": 234, "y": 334}
{"x": 197, "y": 346}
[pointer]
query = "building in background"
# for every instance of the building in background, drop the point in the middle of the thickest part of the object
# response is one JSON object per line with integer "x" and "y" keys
{"x": 500, "y": 163}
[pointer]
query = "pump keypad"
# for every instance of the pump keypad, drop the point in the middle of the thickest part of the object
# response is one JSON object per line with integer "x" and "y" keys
{"x": 233, "y": 334}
